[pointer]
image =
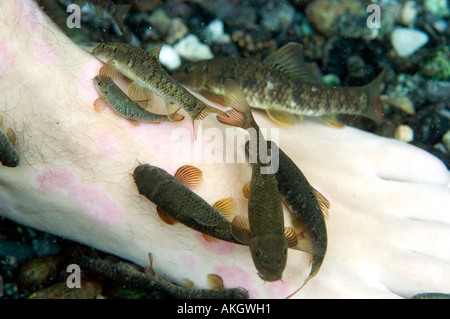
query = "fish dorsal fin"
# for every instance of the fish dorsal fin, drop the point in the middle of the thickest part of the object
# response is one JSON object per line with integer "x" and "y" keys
{"x": 324, "y": 204}
{"x": 289, "y": 59}
{"x": 155, "y": 52}
{"x": 226, "y": 207}
{"x": 215, "y": 282}
{"x": 240, "y": 229}
{"x": 281, "y": 117}
{"x": 291, "y": 236}
{"x": 139, "y": 93}
{"x": 190, "y": 176}
{"x": 169, "y": 220}
{"x": 246, "y": 190}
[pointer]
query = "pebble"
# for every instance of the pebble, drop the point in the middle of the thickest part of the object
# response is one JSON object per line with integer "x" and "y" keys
{"x": 446, "y": 140}
{"x": 278, "y": 18}
{"x": 215, "y": 33}
{"x": 20, "y": 251}
{"x": 407, "y": 41}
{"x": 437, "y": 7}
{"x": 429, "y": 125}
{"x": 403, "y": 103}
{"x": 404, "y": 133}
{"x": 176, "y": 31}
{"x": 88, "y": 290}
{"x": 169, "y": 58}
{"x": 38, "y": 271}
{"x": 190, "y": 48}
{"x": 408, "y": 13}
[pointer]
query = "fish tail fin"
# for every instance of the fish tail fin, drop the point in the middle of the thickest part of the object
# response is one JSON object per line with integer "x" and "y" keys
{"x": 373, "y": 90}
{"x": 240, "y": 114}
{"x": 316, "y": 263}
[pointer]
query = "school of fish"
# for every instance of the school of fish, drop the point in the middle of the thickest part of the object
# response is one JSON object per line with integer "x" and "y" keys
{"x": 281, "y": 86}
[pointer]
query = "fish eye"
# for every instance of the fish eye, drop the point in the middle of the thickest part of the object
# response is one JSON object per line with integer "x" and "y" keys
{"x": 258, "y": 253}
{"x": 104, "y": 45}
{"x": 187, "y": 70}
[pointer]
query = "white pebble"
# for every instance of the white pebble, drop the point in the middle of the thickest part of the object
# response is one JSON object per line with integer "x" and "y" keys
{"x": 191, "y": 49}
{"x": 404, "y": 133}
{"x": 169, "y": 57}
{"x": 409, "y": 13}
{"x": 407, "y": 41}
{"x": 215, "y": 32}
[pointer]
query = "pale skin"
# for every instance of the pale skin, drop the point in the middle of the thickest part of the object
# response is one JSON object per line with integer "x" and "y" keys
{"x": 388, "y": 226}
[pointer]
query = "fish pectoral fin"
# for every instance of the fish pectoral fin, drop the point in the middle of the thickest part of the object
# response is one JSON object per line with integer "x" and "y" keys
{"x": 139, "y": 93}
{"x": 100, "y": 104}
{"x": 232, "y": 117}
{"x": 226, "y": 207}
{"x": 208, "y": 110}
{"x": 324, "y": 204}
{"x": 240, "y": 229}
{"x": 246, "y": 190}
{"x": 215, "y": 282}
{"x": 209, "y": 239}
{"x": 169, "y": 220}
{"x": 134, "y": 122}
{"x": 309, "y": 246}
{"x": 109, "y": 71}
{"x": 172, "y": 109}
{"x": 281, "y": 117}
{"x": 291, "y": 236}
{"x": 190, "y": 176}
{"x": 188, "y": 284}
{"x": 331, "y": 120}
{"x": 235, "y": 98}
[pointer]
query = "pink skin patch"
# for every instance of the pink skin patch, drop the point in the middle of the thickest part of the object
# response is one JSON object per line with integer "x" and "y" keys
{"x": 235, "y": 276}
{"x": 277, "y": 289}
{"x": 219, "y": 247}
{"x": 189, "y": 260}
{"x": 43, "y": 52}
{"x": 7, "y": 58}
{"x": 92, "y": 202}
{"x": 108, "y": 145}
{"x": 29, "y": 14}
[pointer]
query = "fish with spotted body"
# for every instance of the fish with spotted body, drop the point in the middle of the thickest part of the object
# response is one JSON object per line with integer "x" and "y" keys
{"x": 281, "y": 86}
{"x": 149, "y": 77}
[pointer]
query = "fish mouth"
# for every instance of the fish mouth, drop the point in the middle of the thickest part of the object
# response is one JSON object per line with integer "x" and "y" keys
{"x": 269, "y": 278}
